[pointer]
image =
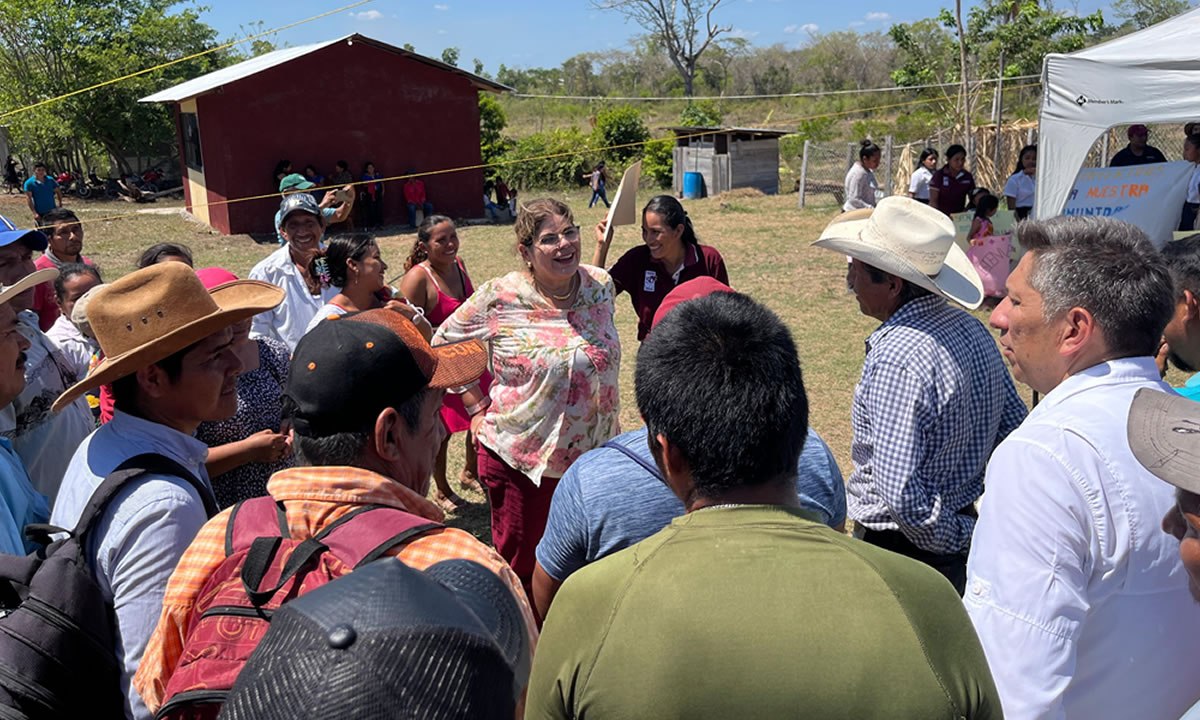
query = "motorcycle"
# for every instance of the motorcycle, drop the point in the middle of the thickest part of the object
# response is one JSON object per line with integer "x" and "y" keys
{"x": 108, "y": 186}
{"x": 70, "y": 182}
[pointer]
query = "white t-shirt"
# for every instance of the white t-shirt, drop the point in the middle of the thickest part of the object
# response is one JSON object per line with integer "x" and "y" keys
{"x": 327, "y": 310}
{"x": 1193, "y": 192}
{"x": 919, "y": 184}
{"x": 1020, "y": 187}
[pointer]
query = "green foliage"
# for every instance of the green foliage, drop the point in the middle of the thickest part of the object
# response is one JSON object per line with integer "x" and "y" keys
{"x": 450, "y": 56}
{"x": 658, "y": 161}
{"x": 1025, "y": 32}
{"x": 701, "y": 113}
{"x": 928, "y": 53}
{"x": 621, "y": 130}
{"x": 1141, "y": 14}
{"x": 528, "y": 167}
{"x": 491, "y": 124}
{"x": 49, "y": 48}
{"x": 819, "y": 129}
{"x": 791, "y": 147}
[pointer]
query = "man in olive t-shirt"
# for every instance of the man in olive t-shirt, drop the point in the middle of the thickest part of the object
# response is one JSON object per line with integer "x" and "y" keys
{"x": 748, "y": 606}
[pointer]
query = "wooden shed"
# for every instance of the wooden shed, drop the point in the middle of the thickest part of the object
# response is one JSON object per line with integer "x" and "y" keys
{"x": 728, "y": 158}
{"x": 354, "y": 99}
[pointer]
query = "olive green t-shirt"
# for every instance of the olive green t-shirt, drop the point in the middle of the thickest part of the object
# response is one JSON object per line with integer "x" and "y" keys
{"x": 758, "y": 612}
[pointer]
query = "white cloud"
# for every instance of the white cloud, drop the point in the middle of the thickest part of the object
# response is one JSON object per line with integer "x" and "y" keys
{"x": 791, "y": 29}
{"x": 367, "y": 15}
{"x": 856, "y": 23}
{"x": 441, "y": 6}
{"x": 878, "y": 16}
{"x": 441, "y": 32}
{"x": 809, "y": 28}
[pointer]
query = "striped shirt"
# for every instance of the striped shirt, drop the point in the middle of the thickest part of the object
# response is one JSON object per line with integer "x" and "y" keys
{"x": 313, "y": 497}
{"x": 933, "y": 402}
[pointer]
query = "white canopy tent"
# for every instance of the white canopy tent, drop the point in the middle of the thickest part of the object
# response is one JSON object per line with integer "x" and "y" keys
{"x": 1150, "y": 76}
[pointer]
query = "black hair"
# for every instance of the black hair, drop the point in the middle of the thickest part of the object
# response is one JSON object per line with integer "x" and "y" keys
{"x": 346, "y": 448}
{"x": 342, "y": 164}
{"x": 926, "y": 154}
{"x": 41, "y": 165}
{"x": 673, "y": 214}
{"x": 66, "y": 271}
{"x": 310, "y": 167}
{"x": 719, "y": 377}
{"x": 1183, "y": 262}
{"x": 282, "y": 167}
{"x": 867, "y": 149}
{"x": 339, "y": 250}
{"x": 1021, "y": 157}
{"x": 987, "y": 203}
{"x": 424, "y": 233}
{"x": 975, "y": 196}
{"x": 1193, "y": 140}
{"x": 57, "y": 215}
{"x": 367, "y": 164}
{"x": 955, "y": 150}
{"x": 125, "y": 390}
{"x": 154, "y": 254}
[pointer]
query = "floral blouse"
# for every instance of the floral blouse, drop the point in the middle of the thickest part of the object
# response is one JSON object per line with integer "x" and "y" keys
{"x": 554, "y": 394}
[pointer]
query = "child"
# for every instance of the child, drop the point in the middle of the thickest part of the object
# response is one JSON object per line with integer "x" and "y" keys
{"x": 981, "y": 227}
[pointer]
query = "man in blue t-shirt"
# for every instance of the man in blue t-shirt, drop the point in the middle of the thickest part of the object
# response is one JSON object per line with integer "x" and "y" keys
{"x": 42, "y": 193}
{"x": 614, "y": 496}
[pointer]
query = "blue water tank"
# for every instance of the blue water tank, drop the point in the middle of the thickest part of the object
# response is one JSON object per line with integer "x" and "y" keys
{"x": 693, "y": 185}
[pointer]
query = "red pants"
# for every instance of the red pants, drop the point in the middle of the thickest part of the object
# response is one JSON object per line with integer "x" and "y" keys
{"x": 519, "y": 512}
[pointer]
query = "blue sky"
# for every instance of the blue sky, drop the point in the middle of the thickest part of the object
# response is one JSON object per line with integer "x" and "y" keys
{"x": 543, "y": 33}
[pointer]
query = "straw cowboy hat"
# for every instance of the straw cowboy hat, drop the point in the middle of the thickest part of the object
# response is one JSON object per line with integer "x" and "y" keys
{"x": 156, "y": 312}
{"x": 8, "y": 292}
{"x": 911, "y": 241}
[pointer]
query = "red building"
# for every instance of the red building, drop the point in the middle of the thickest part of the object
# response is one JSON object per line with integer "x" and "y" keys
{"x": 353, "y": 99}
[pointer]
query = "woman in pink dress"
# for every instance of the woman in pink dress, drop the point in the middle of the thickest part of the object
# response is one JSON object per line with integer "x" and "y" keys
{"x": 436, "y": 280}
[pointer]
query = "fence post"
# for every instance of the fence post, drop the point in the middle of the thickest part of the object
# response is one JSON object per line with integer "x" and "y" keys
{"x": 1104, "y": 150}
{"x": 850, "y": 155}
{"x": 804, "y": 173}
{"x": 887, "y": 152}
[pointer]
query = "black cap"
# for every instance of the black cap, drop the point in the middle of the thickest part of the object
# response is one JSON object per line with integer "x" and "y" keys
{"x": 388, "y": 641}
{"x": 347, "y": 370}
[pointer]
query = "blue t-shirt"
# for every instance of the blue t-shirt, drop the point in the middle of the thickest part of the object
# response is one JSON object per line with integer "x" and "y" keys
{"x": 607, "y": 501}
{"x": 1191, "y": 389}
{"x": 43, "y": 193}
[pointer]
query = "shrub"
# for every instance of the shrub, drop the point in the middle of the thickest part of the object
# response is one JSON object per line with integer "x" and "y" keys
{"x": 620, "y": 130}
{"x": 527, "y": 167}
{"x": 702, "y": 113}
{"x": 658, "y": 161}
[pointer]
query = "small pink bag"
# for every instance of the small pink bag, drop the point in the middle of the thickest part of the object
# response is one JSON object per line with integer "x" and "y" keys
{"x": 990, "y": 257}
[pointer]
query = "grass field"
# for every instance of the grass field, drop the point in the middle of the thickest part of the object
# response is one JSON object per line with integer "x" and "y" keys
{"x": 765, "y": 242}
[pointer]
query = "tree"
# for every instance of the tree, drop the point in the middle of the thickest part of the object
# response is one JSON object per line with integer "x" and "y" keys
{"x": 1144, "y": 13}
{"x": 620, "y": 131}
{"x": 450, "y": 56}
{"x": 49, "y": 48}
{"x": 491, "y": 124}
{"x": 702, "y": 113}
{"x": 676, "y": 27}
{"x": 409, "y": 47}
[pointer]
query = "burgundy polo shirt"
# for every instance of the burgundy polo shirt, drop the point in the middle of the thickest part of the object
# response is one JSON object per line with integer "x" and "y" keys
{"x": 952, "y": 191}
{"x": 648, "y": 282}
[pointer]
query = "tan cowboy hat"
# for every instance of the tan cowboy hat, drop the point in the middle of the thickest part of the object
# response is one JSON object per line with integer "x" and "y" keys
{"x": 156, "y": 312}
{"x": 36, "y": 277}
{"x": 911, "y": 241}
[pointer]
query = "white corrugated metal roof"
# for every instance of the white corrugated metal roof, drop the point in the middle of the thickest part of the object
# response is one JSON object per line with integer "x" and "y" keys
{"x": 233, "y": 73}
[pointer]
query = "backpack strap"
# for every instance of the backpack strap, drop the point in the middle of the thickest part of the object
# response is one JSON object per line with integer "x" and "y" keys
{"x": 262, "y": 556}
{"x": 254, "y": 518}
{"x": 379, "y": 529}
{"x": 634, "y": 457}
{"x": 134, "y": 467}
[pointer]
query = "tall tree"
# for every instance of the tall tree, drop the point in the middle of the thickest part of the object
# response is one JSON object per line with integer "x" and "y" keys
{"x": 1144, "y": 13}
{"x": 450, "y": 56}
{"x": 683, "y": 28}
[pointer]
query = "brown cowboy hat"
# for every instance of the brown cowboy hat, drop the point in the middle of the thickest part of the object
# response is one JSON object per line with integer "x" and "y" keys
{"x": 156, "y": 312}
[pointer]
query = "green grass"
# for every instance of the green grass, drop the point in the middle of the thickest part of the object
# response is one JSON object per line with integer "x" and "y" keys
{"x": 765, "y": 242}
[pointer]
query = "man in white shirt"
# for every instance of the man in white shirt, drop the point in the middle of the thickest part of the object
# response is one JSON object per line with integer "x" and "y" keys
{"x": 302, "y": 224}
{"x": 1079, "y": 599}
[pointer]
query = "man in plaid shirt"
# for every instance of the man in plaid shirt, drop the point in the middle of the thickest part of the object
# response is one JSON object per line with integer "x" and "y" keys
{"x": 934, "y": 398}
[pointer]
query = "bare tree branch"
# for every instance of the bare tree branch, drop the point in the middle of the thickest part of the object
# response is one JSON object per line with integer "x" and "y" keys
{"x": 679, "y": 36}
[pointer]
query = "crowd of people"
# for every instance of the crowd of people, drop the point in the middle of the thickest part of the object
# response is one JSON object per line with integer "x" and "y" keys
{"x": 341, "y": 193}
{"x": 240, "y": 463}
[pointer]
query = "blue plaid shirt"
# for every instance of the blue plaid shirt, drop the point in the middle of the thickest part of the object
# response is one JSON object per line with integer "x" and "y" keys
{"x": 934, "y": 400}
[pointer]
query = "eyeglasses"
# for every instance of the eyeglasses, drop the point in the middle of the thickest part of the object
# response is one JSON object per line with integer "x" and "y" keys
{"x": 549, "y": 240}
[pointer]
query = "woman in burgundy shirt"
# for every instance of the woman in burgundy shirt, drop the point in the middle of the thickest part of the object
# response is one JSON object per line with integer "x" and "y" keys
{"x": 951, "y": 185}
{"x": 671, "y": 254}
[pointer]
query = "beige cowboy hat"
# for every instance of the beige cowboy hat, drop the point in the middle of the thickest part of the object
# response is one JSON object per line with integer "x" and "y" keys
{"x": 37, "y": 277}
{"x": 156, "y": 312}
{"x": 911, "y": 241}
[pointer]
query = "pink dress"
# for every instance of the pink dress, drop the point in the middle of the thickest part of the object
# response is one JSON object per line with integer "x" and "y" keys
{"x": 454, "y": 413}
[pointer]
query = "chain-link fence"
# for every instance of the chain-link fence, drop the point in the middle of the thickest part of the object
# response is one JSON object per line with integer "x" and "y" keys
{"x": 818, "y": 172}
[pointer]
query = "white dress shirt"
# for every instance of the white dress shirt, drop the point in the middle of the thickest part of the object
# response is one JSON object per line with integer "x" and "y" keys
{"x": 76, "y": 348}
{"x": 289, "y": 320}
{"x": 1078, "y": 596}
{"x": 1021, "y": 187}
{"x": 137, "y": 542}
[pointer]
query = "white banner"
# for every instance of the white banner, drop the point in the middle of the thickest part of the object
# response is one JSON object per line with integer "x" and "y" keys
{"x": 1148, "y": 196}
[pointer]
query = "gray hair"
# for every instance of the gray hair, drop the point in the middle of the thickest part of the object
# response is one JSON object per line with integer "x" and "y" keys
{"x": 347, "y": 448}
{"x": 1106, "y": 267}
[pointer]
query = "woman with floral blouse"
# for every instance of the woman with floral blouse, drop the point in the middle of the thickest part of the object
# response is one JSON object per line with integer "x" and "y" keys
{"x": 555, "y": 358}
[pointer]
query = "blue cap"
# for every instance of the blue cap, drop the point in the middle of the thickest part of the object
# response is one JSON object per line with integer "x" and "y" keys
{"x": 10, "y": 233}
{"x": 302, "y": 202}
